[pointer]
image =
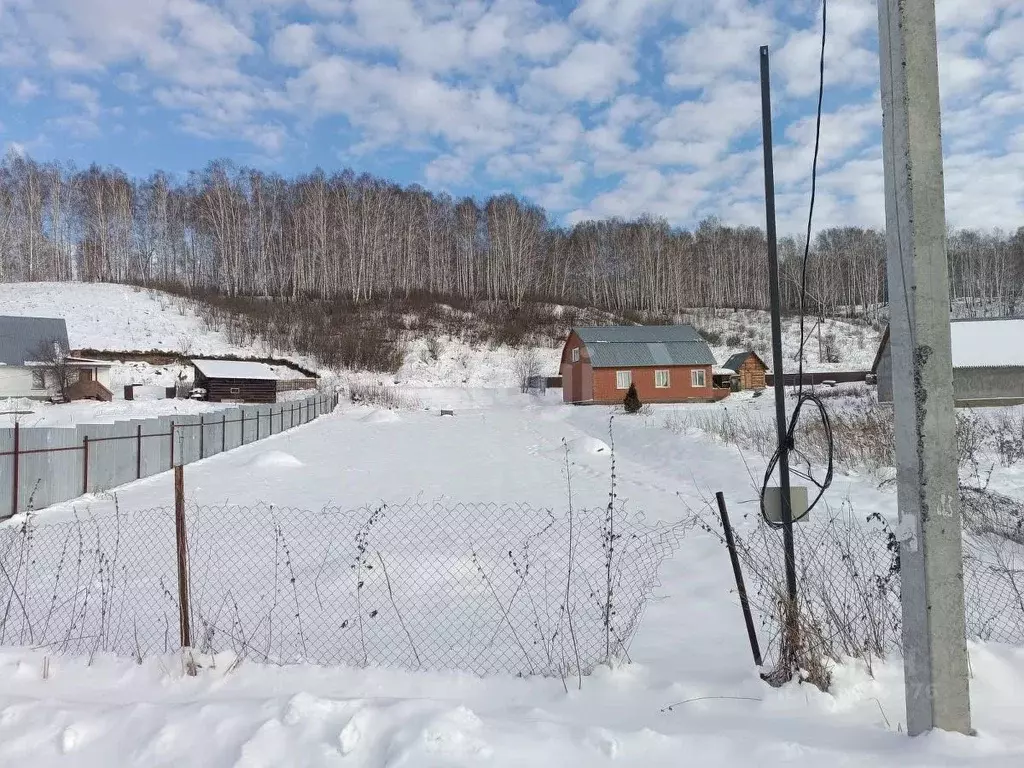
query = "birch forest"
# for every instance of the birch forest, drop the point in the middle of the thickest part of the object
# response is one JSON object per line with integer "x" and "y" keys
{"x": 246, "y": 233}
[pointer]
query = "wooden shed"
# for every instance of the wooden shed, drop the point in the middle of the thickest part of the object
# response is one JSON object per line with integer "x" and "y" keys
{"x": 750, "y": 368}
{"x": 236, "y": 381}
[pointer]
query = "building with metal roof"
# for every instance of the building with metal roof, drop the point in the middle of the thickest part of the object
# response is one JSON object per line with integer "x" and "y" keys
{"x": 988, "y": 362}
{"x": 750, "y": 369}
{"x": 666, "y": 363}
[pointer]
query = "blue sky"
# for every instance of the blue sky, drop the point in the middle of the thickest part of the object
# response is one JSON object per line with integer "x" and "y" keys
{"x": 592, "y": 108}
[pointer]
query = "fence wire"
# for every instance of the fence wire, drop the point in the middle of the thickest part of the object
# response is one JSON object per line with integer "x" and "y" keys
{"x": 484, "y": 588}
{"x": 848, "y": 573}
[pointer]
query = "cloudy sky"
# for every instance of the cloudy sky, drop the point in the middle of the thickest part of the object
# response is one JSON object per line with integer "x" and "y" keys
{"x": 592, "y": 108}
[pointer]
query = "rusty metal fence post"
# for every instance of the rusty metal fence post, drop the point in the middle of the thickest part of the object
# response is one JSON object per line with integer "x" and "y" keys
{"x": 181, "y": 543}
{"x": 85, "y": 465}
{"x": 730, "y": 543}
{"x": 14, "y": 473}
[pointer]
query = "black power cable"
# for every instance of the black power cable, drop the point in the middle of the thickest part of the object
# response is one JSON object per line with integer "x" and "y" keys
{"x": 807, "y": 397}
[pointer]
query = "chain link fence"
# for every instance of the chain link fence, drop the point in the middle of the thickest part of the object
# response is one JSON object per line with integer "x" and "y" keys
{"x": 848, "y": 574}
{"x": 484, "y": 588}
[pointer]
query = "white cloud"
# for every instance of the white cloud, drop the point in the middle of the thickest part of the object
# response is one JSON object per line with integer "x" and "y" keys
{"x": 81, "y": 94}
{"x": 547, "y": 41}
{"x": 448, "y": 168}
{"x": 619, "y": 18}
{"x": 593, "y": 71}
{"x": 26, "y": 89}
{"x": 295, "y": 45}
{"x": 655, "y": 100}
{"x": 723, "y": 42}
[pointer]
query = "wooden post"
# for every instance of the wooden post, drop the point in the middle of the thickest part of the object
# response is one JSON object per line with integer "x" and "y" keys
{"x": 85, "y": 465}
{"x": 181, "y": 542}
{"x": 17, "y": 462}
{"x": 138, "y": 451}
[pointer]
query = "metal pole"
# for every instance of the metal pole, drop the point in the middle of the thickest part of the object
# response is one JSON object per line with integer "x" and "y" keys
{"x": 776, "y": 302}
{"x": 223, "y": 432}
{"x": 931, "y": 555}
{"x": 741, "y": 588}
{"x": 181, "y": 544}
{"x": 85, "y": 465}
{"x": 138, "y": 451}
{"x": 172, "y": 444}
{"x": 17, "y": 463}
{"x": 202, "y": 437}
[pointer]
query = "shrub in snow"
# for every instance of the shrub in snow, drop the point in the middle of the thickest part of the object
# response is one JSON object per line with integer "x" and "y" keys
{"x": 632, "y": 402}
{"x": 831, "y": 351}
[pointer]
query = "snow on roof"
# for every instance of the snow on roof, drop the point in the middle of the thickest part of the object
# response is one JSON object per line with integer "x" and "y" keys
{"x": 235, "y": 369}
{"x": 996, "y": 343}
{"x": 87, "y": 361}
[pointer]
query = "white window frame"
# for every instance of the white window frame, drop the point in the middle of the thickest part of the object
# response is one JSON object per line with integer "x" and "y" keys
{"x": 575, "y": 354}
{"x": 664, "y": 374}
{"x": 621, "y": 376}
{"x": 699, "y": 378}
{"x": 38, "y": 379}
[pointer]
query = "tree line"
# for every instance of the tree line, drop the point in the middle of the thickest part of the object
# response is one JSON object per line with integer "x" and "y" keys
{"x": 245, "y": 232}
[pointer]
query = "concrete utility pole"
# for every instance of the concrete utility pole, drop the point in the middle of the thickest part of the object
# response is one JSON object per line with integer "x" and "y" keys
{"x": 931, "y": 557}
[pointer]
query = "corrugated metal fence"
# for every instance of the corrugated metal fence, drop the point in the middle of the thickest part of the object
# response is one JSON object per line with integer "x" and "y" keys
{"x": 40, "y": 466}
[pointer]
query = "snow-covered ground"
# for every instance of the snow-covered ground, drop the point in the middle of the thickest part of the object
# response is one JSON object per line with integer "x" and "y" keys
{"x": 689, "y": 696}
{"x": 110, "y": 317}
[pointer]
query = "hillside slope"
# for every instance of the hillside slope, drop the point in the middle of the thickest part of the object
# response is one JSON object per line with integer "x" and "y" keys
{"x": 124, "y": 318}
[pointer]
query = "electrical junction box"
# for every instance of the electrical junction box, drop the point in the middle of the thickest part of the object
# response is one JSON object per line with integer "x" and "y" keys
{"x": 797, "y": 503}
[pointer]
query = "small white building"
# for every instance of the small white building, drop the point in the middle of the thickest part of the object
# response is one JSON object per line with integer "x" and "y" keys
{"x": 24, "y": 351}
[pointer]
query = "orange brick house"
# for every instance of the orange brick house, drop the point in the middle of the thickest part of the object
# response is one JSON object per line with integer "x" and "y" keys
{"x": 667, "y": 363}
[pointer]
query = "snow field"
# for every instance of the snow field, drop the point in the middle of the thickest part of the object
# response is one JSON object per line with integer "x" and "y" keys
{"x": 500, "y": 446}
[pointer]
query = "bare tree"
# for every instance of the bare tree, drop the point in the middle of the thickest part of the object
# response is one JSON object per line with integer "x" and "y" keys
{"x": 51, "y": 358}
{"x": 344, "y": 236}
{"x": 527, "y": 367}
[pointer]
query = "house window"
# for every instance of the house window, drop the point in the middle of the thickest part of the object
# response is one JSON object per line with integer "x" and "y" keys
{"x": 661, "y": 379}
{"x": 235, "y": 390}
{"x": 698, "y": 378}
{"x": 575, "y": 354}
{"x": 623, "y": 379}
{"x": 38, "y": 380}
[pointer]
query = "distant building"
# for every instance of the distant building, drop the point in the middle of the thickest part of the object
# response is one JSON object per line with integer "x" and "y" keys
{"x": 236, "y": 381}
{"x": 988, "y": 362}
{"x": 35, "y": 354}
{"x": 667, "y": 363}
{"x": 750, "y": 369}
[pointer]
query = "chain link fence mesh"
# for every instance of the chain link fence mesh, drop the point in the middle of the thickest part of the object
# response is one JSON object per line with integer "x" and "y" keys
{"x": 484, "y": 588}
{"x": 848, "y": 575}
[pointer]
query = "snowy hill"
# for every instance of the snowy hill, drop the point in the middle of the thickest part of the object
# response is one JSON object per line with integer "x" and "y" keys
{"x": 109, "y": 317}
{"x": 854, "y": 343}
{"x": 124, "y": 318}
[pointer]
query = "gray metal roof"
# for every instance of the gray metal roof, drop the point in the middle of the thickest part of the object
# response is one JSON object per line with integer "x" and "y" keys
{"x": 638, "y": 333}
{"x": 22, "y": 338}
{"x": 628, "y": 346}
{"x": 735, "y": 362}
